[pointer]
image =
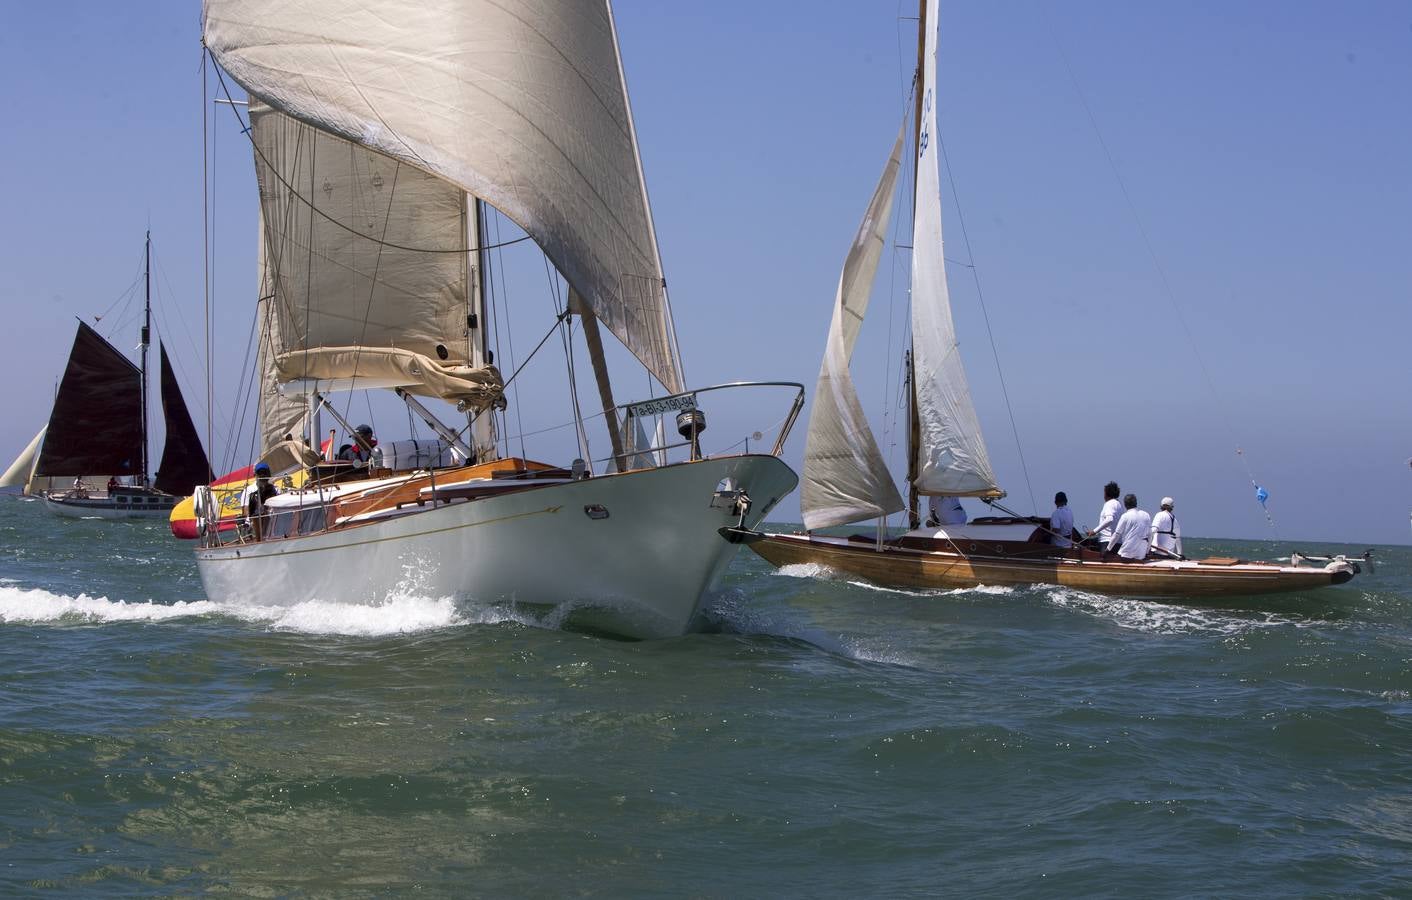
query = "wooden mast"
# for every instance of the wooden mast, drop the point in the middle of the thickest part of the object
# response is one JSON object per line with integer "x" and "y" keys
{"x": 914, "y": 425}
{"x": 594, "y": 339}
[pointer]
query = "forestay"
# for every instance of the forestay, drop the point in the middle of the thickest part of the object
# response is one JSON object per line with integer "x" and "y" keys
{"x": 845, "y": 476}
{"x": 520, "y": 104}
{"x": 950, "y": 452}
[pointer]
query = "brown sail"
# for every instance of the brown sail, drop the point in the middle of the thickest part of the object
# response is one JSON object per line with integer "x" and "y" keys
{"x": 96, "y": 425}
{"x": 184, "y": 464}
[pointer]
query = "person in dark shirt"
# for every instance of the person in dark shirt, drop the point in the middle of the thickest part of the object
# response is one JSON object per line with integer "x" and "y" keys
{"x": 255, "y": 505}
{"x": 356, "y": 451}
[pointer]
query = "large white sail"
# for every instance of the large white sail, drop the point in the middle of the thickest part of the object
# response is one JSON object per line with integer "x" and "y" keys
{"x": 521, "y": 104}
{"x": 845, "y": 476}
{"x": 279, "y": 415}
{"x": 22, "y": 469}
{"x": 950, "y": 452}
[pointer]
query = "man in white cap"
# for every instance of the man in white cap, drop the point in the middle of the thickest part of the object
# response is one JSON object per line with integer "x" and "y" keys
{"x": 1166, "y": 533}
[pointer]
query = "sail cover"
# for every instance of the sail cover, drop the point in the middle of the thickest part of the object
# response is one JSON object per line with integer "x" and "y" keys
{"x": 96, "y": 424}
{"x": 522, "y": 104}
{"x": 950, "y": 452}
{"x": 845, "y": 477}
{"x": 183, "y": 463}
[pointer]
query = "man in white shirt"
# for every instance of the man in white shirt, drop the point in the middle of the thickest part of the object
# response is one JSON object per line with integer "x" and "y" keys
{"x": 1108, "y": 516}
{"x": 1132, "y": 532}
{"x": 1061, "y": 522}
{"x": 1166, "y": 533}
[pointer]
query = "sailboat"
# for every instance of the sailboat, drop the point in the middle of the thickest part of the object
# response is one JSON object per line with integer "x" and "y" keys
{"x": 97, "y": 434}
{"x": 846, "y": 479}
{"x": 383, "y": 137}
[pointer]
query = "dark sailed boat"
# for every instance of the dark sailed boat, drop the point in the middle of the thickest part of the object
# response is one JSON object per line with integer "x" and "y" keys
{"x": 91, "y": 460}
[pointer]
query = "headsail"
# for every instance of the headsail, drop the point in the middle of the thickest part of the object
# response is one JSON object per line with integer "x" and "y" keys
{"x": 22, "y": 468}
{"x": 96, "y": 424}
{"x": 950, "y": 452}
{"x": 523, "y": 106}
{"x": 845, "y": 476}
{"x": 184, "y": 463}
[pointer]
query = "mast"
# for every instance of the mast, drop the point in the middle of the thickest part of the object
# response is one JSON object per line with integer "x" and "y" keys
{"x": 146, "y": 339}
{"x": 482, "y": 438}
{"x": 914, "y": 424}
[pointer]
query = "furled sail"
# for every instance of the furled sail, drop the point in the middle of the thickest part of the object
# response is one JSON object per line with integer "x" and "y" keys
{"x": 521, "y": 104}
{"x": 23, "y": 467}
{"x": 184, "y": 463}
{"x": 845, "y": 476}
{"x": 364, "y": 254}
{"x": 950, "y": 453}
{"x": 96, "y": 424}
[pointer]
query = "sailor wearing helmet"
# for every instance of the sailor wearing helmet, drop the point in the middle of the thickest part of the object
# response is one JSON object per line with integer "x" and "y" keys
{"x": 255, "y": 497}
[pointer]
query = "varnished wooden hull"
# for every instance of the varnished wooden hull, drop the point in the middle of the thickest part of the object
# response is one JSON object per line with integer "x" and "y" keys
{"x": 894, "y": 566}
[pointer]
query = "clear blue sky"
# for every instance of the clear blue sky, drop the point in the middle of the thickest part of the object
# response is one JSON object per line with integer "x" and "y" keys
{"x": 1265, "y": 147}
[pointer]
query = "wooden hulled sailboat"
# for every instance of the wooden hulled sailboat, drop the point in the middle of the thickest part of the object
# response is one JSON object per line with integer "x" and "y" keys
{"x": 91, "y": 460}
{"x": 381, "y": 134}
{"x": 846, "y": 480}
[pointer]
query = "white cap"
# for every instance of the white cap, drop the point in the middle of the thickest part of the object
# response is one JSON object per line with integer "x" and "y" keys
{"x": 1167, "y": 501}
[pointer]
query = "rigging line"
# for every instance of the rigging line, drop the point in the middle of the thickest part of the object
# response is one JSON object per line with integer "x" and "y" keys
{"x": 1146, "y": 241}
{"x": 985, "y": 314}
{"x": 308, "y": 201}
{"x": 206, "y": 232}
{"x": 547, "y": 335}
{"x": 510, "y": 340}
{"x": 566, "y": 335}
{"x": 373, "y": 279}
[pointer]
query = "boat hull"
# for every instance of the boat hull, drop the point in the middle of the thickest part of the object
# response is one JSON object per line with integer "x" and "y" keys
{"x": 641, "y": 571}
{"x": 894, "y": 566}
{"x": 107, "y": 507}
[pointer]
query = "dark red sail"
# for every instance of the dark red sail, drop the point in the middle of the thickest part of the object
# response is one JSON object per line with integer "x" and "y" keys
{"x": 184, "y": 463}
{"x": 96, "y": 425}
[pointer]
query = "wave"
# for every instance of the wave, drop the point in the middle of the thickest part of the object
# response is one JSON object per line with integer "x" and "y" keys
{"x": 735, "y": 612}
{"x": 1163, "y": 618}
{"x": 398, "y": 614}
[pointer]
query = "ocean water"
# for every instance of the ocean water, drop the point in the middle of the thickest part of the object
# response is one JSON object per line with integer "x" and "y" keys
{"x": 824, "y": 738}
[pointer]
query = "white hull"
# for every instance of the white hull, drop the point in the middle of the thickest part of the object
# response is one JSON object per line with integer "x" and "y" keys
{"x": 642, "y": 572}
{"x": 100, "y": 506}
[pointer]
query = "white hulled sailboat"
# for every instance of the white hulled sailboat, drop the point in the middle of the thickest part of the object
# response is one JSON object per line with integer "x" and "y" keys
{"x": 381, "y": 130}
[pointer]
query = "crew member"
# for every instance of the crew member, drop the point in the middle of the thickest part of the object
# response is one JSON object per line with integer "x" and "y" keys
{"x": 1131, "y": 534}
{"x": 1108, "y": 515}
{"x": 1166, "y": 533}
{"x": 1061, "y": 522}
{"x": 356, "y": 452}
{"x": 255, "y": 502}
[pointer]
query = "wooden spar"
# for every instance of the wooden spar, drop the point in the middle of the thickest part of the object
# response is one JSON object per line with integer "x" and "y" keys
{"x": 594, "y": 339}
{"x": 482, "y": 436}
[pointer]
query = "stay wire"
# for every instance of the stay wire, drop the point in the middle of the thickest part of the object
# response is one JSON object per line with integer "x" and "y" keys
{"x": 985, "y": 314}
{"x": 1167, "y": 290}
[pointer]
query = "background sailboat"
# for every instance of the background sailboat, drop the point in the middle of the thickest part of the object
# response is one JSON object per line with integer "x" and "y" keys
{"x": 846, "y": 479}
{"x": 97, "y": 434}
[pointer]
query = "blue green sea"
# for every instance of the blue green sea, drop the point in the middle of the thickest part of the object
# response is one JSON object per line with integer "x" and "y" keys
{"x": 821, "y": 739}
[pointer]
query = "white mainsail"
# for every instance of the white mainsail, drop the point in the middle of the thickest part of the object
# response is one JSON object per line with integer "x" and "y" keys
{"x": 950, "y": 452}
{"x": 279, "y": 415}
{"x": 523, "y": 105}
{"x": 845, "y": 476}
{"x": 22, "y": 469}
